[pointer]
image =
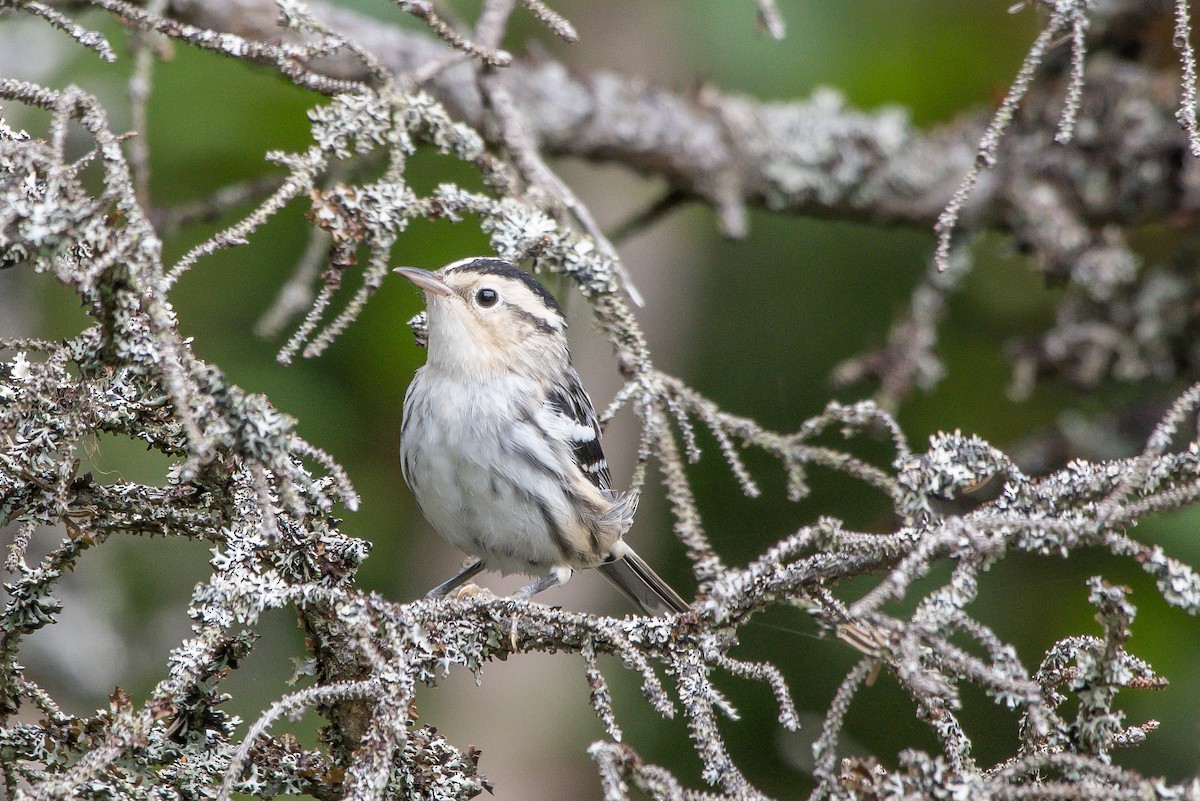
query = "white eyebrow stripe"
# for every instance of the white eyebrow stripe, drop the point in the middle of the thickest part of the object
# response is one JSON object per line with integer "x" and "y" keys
{"x": 521, "y": 296}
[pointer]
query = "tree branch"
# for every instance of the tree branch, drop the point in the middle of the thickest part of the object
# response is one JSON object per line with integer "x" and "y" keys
{"x": 814, "y": 157}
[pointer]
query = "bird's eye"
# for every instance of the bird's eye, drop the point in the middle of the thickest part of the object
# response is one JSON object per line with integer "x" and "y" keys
{"x": 487, "y": 297}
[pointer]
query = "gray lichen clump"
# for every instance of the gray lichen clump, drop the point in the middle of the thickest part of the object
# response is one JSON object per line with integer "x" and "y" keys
{"x": 242, "y": 480}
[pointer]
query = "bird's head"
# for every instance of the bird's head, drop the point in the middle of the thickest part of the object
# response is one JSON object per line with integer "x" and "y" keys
{"x": 486, "y": 316}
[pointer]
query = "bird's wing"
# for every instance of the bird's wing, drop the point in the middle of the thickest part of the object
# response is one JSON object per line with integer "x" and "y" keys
{"x": 570, "y": 404}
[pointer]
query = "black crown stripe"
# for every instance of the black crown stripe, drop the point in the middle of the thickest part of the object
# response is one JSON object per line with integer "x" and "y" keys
{"x": 506, "y": 269}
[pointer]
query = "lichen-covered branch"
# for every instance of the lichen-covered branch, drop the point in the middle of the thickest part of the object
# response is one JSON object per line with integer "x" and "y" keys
{"x": 1064, "y": 198}
{"x": 243, "y": 481}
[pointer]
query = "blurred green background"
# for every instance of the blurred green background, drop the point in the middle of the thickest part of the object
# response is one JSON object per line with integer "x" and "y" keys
{"x": 756, "y": 325}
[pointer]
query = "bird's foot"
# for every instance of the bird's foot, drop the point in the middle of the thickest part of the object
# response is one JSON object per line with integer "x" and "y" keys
{"x": 473, "y": 590}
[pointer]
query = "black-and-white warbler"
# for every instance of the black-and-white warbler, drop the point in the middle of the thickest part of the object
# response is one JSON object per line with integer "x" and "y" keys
{"x": 500, "y": 443}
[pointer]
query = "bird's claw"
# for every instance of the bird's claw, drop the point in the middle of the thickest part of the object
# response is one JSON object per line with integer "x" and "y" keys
{"x": 473, "y": 590}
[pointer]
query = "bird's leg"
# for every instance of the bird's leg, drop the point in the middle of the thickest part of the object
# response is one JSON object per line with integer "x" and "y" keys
{"x": 557, "y": 577}
{"x": 441, "y": 590}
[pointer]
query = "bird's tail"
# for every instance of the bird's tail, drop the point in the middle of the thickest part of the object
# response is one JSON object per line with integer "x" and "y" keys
{"x": 630, "y": 574}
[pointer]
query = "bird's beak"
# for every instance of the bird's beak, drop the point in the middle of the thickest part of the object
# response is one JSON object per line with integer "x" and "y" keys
{"x": 425, "y": 280}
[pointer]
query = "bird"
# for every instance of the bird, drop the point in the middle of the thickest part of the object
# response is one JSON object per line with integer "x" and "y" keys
{"x": 500, "y": 444}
